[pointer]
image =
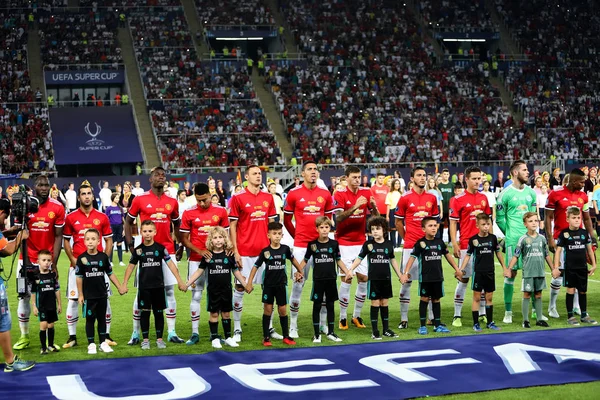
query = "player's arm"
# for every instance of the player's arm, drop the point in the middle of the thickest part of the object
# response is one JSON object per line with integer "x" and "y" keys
{"x": 113, "y": 278}
{"x": 342, "y": 266}
{"x": 238, "y": 275}
{"x": 453, "y": 238}
{"x": 173, "y": 268}
{"x": 58, "y": 300}
{"x": 501, "y": 260}
{"x": 548, "y": 218}
{"x": 373, "y": 207}
{"x": 69, "y": 251}
{"x": 57, "y": 247}
{"x": 12, "y": 246}
{"x": 128, "y": 272}
{"x": 34, "y": 308}
{"x": 355, "y": 264}
{"x": 400, "y": 227}
{"x": 233, "y": 236}
{"x": 557, "y": 257}
{"x": 500, "y": 215}
{"x": 513, "y": 262}
{"x": 465, "y": 262}
{"x": 289, "y": 224}
{"x": 298, "y": 265}
{"x": 589, "y": 227}
{"x": 108, "y": 241}
{"x": 342, "y": 215}
{"x": 404, "y": 277}
{"x": 128, "y": 227}
{"x": 185, "y": 239}
{"x": 396, "y": 267}
{"x": 451, "y": 261}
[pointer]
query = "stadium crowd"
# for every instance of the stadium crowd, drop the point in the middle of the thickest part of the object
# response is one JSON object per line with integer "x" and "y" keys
{"x": 234, "y": 12}
{"x": 14, "y": 73}
{"x": 457, "y": 15}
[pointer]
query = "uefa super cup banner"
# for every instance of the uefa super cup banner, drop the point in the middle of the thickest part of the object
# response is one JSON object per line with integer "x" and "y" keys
{"x": 85, "y": 77}
{"x": 94, "y": 135}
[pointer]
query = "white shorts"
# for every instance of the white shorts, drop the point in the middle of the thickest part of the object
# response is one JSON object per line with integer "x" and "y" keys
{"x": 168, "y": 277}
{"x": 72, "y": 292}
{"x": 469, "y": 268}
{"x": 349, "y": 254}
{"x": 200, "y": 283}
{"x": 247, "y": 265}
{"x": 414, "y": 270}
{"x": 299, "y": 253}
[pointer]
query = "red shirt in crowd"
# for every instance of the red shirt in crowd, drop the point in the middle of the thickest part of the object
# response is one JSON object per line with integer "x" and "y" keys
{"x": 380, "y": 193}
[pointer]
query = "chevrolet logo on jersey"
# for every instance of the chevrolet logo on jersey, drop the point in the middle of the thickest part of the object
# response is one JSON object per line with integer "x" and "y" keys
{"x": 258, "y": 214}
{"x": 522, "y": 207}
{"x": 158, "y": 215}
{"x": 312, "y": 209}
{"x": 40, "y": 224}
{"x": 475, "y": 212}
{"x": 358, "y": 212}
{"x": 421, "y": 214}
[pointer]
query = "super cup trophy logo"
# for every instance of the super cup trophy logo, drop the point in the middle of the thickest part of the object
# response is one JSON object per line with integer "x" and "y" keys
{"x": 93, "y": 141}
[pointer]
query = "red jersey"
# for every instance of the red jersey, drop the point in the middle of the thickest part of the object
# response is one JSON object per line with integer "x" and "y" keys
{"x": 197, "y": 222}
{"x": 380, "y": 193}
{"x": 561, "y": 199}
{"x": 464, "y": 209}
{"x": 77, "y": 223}
{"x": 307, "y": 205}
{"x": 161, "y": 211}
{"x": 412, "y": 208}
{"x": 252, "y": 213}
{"x": 50, "y": 215}
{"x": 351, "y": 231}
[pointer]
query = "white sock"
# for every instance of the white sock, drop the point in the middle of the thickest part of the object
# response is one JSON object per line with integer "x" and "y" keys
{"x": 271, "y": 321}
{"x": 238, "y": 306}
{"x": 195, "y": 309}
{"x": 344, "y": 295}
{"x": 24, "y": 311}
{"x": 171, "y": 311}
{"x": 136, "y": 316}
{"x": 554, "y": 290}
{"x": 576, "y": 300}
{"x": 359, "y": 298}
{"x": 323, "y": 315}
{"x": 295, "y": 304}
{"x": 482, "y": 305}
{"x": 404, "y": 301}
{"x": 108, "y": 316}
{"x": 430, "y": 310}
{"x": 459, "y": 298}
{"x": 72, "y": 317}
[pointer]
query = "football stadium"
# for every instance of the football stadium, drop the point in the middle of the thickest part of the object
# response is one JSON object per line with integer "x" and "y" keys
{"x": 267, "y": 198}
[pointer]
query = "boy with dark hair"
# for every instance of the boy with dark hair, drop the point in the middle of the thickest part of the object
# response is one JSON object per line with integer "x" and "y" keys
{"x": 576, "y": 244}
{"x": 275, "y": 281}
{"x": 326, "y": 256}
{"x": 380, "y": 253}
{"x": 482, "y": 248}
{"x": 45, "y": 295}
{"x": 428, "y": 252}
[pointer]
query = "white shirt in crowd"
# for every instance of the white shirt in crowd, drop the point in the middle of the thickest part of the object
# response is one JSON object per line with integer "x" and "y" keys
{"x": 71, "y": 197}
{"x": 105, "y": 194}
{"x": 137, "y": 191}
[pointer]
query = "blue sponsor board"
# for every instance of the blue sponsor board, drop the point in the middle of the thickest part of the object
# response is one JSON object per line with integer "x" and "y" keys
{"x": 393, "y": 370}
{"x": 85, "y": 77}
{"x": 94, "y": 135}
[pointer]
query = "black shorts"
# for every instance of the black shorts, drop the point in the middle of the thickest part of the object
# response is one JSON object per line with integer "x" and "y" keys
{"x": 434, "y": 290}
{"x": 49, "y": 316}
{"x": 117, "y": 231}
{"x": 95, "y": 308}
{"x": 275, "y": 293}
{"x": 152, "y": 299}
{"x": 219, "y": 300}
{"x": 379, "y": 289}
{"x": 576, "y": 278}
{"x": 483, "y": 282}
{"x": 324, "y": 288}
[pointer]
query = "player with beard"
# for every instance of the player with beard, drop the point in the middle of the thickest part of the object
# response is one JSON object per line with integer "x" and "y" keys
{"x": 413, "y": 206}
{"x": 514, "y": 202}
{"x": 45, "y": 233}
{"x": 76, "y": 224}
{"x": 157, "y": 206}
{"x": 305, "y": 203}
{"x": 559, "y": 200}
{"x": 251, "y": 210}
{"x": 196, "y": 223}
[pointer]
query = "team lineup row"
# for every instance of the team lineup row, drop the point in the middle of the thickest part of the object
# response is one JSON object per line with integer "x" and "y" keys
{"x": 248, "y": 222}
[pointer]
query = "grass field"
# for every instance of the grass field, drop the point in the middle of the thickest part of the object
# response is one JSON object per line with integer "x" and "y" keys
{"x": 251, "y": 324}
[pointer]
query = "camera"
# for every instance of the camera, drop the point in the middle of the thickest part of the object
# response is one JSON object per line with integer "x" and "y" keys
{"x": 23, "y": 204}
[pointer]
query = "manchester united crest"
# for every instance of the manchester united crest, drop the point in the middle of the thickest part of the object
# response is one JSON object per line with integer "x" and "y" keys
{"x": 168, "y": 207}
{"x": 429, "y": 204}
{"x": 51, "y": 214}
{"x": 96, "y": 221}
{"x": 215, "y": 218}
{"x": 265, "y": 204}
{"x": 320, "y": 199}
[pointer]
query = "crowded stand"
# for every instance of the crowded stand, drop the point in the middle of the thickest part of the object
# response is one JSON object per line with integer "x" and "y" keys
{"x": 457, "y": 15}
{"x": 79, "y": 38}
{"x": 14, "y": 74}
{"x": 160, "y": 28}
{"x": 234, "y": 12}
{"x": 25, "y": 140}
{"x": 382, "y": 87}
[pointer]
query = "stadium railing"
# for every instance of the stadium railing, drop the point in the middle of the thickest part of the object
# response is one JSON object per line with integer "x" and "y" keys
{"x": 71, "y": 67}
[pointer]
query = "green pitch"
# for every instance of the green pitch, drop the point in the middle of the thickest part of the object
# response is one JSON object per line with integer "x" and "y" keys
{"x": 252, "y": 331}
